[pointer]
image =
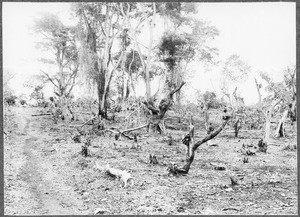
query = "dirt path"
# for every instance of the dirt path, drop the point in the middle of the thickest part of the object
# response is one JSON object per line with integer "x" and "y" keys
{"x": 32, "y": 178}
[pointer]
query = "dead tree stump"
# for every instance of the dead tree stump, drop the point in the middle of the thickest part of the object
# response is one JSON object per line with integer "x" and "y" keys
{"x": 77, "y": 138}
{"x": 153, "y": 159}
{"x": 84, "y": 148}
{"x": 237, "y": 126}
{"x": 262, "y": 146}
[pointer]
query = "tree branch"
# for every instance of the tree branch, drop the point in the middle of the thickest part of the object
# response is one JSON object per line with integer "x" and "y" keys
{"x": 212, "y": 134}
{"x": 176, "y": 89}
{"x": 49, "y": 78}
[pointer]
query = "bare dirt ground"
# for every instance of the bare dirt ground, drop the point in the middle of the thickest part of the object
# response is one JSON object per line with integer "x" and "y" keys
{"x": 44, "y": 173}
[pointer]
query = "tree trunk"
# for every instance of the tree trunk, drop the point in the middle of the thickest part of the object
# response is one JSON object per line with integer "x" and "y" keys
{"x": 268, "y": 116}
{"x": 102, "y": 111}
{"x": 237, "y": 127}
{"x": 258, "y": 91}
{"x": 268, "y": 127}
{"x": 124, "y": 79}
{"x": 127, "y": 89}
{"x": 178, "y": 98}
{"x": 293, "y": 112}
{"x": 147, "y": 73}
{"x": 159, "y": 113}
{"x": 280, "y": 127}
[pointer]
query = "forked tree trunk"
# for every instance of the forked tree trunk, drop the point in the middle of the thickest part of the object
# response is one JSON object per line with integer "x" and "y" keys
{"x": 188, "y": 140}
{"x": 159, "y": 113}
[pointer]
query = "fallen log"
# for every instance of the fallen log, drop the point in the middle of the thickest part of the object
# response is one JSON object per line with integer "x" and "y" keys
{"x": 117, "y": 133}
{"x": 123, "y": 175}
{"x": 176, "y": 126}
{"x": 45, "y": 114}
{"x": 136, "y": 128}
{"x": 92, "y": 118}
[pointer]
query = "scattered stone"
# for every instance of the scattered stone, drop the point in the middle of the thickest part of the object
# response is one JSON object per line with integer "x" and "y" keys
{"x": 99, "y": 211}
{"x": 233, "y": 181}
{"x": 231, "y": 208}
{"x": 180, "y": 209}
{"x": 250, "y": 152}
{"x": 213, "y": 144}
{"x": 208, "y": 211}
{"x": 219, "y": 168}
{"x": 228, "y": 189}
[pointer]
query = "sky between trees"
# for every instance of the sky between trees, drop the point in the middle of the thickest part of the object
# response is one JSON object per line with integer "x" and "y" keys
{"x": 262, "y": 34}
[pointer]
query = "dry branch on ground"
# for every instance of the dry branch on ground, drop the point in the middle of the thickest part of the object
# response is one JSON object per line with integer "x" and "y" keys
{"x": 123, "y": 175}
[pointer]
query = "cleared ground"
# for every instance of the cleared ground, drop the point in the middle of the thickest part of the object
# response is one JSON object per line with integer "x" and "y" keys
{"x": 44, "y": 173}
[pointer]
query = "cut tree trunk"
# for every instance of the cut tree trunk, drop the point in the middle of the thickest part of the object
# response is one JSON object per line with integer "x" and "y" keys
{"x": 188, "y": 140}
{"x": 280, "y": 128}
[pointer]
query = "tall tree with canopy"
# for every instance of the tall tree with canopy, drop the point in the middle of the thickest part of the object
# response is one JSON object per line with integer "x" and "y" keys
{"x": 60, "y": 41}
{"x": 185, "y": 39}
{"x": 136, "y": 15}
{"x": 100, "y": 25}
{"x": 130, "y": 71}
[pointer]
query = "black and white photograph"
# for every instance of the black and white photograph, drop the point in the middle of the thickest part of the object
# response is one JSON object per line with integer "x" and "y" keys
{"x": 149, "y": 108}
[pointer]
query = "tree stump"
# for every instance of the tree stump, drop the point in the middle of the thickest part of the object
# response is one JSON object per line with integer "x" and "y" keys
{"x": 153, "y": 159}
{"x": 262, "y": 146}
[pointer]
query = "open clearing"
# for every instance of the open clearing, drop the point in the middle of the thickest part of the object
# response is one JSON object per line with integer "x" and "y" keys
{"x": 45, "y": 173}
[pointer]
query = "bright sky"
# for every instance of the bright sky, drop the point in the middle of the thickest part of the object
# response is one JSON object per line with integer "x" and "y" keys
{"x": 262, "y": 34}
